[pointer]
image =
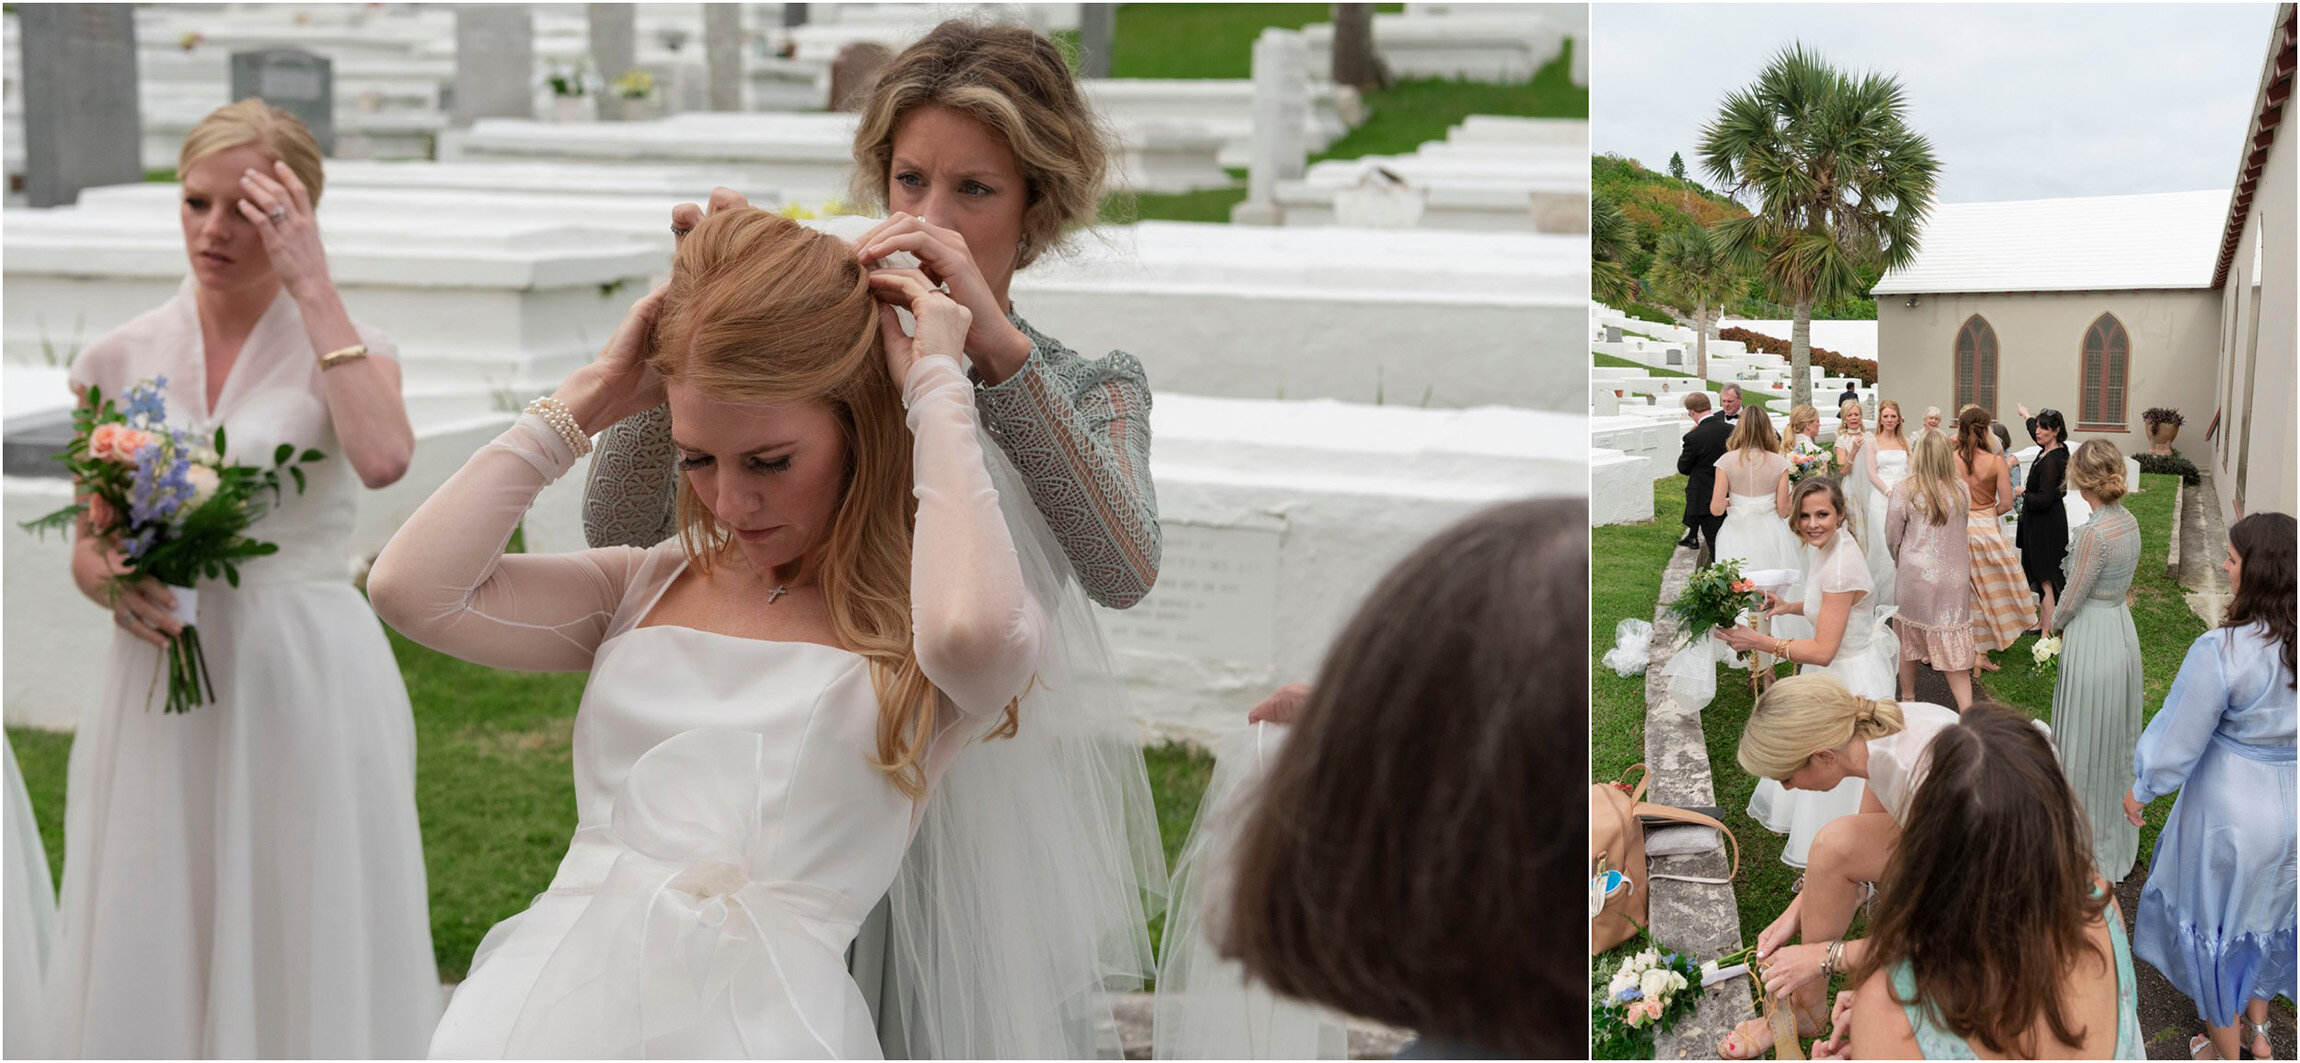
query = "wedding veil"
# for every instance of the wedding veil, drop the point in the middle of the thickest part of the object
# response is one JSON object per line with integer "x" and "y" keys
{"x": 1022, "y": 904}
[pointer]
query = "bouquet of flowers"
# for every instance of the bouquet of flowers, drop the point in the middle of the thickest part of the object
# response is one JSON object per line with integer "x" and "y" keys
{"x": 2046, "y": 652}
{"x": 176, "y": 510}
{"x": 1811, "y": 459}
{"x": 1646, "y": 992}
{"x": 1715, "y": 597}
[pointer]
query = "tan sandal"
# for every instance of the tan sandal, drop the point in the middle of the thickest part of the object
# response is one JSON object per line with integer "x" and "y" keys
{"x": 1730, "y": 1047}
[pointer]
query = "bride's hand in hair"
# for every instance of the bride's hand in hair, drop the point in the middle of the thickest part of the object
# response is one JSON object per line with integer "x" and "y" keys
{"x": 941, "y": 321}
{"x": 620, "y": 382}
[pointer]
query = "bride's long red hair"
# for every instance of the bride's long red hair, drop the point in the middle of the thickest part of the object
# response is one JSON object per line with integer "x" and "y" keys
{"x": 762, "y": 309}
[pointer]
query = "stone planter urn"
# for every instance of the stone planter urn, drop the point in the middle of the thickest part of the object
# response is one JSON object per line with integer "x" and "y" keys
{"x": 570, "y": 109}
{"x": 2160, "y": 436}
{"x": 2163, "y": 423}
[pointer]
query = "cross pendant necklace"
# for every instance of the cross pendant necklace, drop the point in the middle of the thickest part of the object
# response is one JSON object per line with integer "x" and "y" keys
{"x": 778, "y": 592}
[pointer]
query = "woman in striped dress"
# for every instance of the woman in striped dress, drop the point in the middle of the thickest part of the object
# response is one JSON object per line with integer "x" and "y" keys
{"x": 2002, "y": 606}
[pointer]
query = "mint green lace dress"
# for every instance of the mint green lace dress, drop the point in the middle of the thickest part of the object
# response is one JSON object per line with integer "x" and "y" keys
{"x": 1077, "y": 428}
{"x": 2096, "y": 698}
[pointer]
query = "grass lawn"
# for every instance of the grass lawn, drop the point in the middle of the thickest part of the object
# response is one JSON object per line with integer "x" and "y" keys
{"x": 1202, "y": 40}
{"x": 1748, "y": 398}
{"x": 1625, "y": 582}
{"x": 1217, "y": 41}
{"x": 496, "y": 793}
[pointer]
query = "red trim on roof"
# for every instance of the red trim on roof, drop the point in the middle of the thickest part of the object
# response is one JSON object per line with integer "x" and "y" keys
{"x": 2267, "y": 118}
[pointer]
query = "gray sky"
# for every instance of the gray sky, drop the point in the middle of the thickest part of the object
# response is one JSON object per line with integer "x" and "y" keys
{"x": 2020, "y": 102}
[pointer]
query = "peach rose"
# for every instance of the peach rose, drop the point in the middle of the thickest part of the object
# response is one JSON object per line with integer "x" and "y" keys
{"x": 113, "y": 441}
{"x": 1641, "y": 1012}
{"x": 1743, "y": 586}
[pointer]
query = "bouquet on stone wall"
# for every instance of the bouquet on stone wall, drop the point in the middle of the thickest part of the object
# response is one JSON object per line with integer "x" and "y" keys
{"x": 1811, "y": 459}
{"x": 1715, "y": 597}
{"x": 173, "y": 507}
{"x": 1641, "y": 994}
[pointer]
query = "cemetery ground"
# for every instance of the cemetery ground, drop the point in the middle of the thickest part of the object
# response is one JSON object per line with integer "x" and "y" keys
{"x": 496, "y": 793}
{"x": 1764, "y": 402}
{"x": 1627, "y": 560}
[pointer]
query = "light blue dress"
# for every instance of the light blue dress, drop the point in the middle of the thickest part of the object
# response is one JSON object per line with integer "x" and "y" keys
{"x": 2217, "y": 915}
{"x": 1934, "y": 1041}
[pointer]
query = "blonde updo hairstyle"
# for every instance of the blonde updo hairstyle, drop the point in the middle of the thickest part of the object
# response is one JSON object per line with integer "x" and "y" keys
{"x": 762, "y": 309}
{"x": 254, "y": 123}
{"x": 1015, "y": 82}
{"x": 2098, "y": 467}
{"x": 1805, "y": 714}
{"x": 1800, "y": 418}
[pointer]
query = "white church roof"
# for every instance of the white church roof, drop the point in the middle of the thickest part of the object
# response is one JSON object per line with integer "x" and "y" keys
{"x": 2096, "y": 243}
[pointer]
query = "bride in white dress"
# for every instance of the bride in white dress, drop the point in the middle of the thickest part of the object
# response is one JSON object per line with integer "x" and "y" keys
{"x": 1851, "y": 641}
{"x": 246, "y": 878}
{"x": 775, "y": 695}
{"x": 1753, "y": 494}
{"x": 1883, "y": 464}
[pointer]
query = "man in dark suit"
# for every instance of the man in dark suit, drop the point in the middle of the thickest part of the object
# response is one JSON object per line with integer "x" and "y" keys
{"x": 1850, "y": 395}
{"x": 1697, "y": 460}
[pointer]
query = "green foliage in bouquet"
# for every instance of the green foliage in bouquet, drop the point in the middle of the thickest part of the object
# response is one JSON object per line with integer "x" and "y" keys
{"x": 1713, "y": 598}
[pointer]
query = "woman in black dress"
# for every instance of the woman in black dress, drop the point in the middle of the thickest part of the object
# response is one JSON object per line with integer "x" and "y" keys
{"x": 2043, "y": 533}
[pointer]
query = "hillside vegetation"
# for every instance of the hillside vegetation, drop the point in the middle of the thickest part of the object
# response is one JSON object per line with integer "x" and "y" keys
{"x": 1655, "y": 204}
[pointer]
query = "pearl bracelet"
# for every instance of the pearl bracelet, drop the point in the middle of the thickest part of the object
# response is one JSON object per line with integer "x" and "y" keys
{"x": 555, "y": 413}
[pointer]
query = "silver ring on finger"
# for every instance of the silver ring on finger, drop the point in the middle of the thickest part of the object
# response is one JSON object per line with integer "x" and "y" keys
{"x": 278, "y": 215}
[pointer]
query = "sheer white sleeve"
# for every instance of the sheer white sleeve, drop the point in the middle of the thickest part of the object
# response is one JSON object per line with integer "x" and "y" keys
{"x": 444, "y": 580}
{"x": 976, "y": 630}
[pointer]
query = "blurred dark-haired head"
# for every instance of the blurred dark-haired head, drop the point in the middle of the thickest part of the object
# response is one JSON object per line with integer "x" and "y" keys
{"x": 1411, "y": 858}
{"x": 2264, "y": 551}
{"x": 1995, "y": 835}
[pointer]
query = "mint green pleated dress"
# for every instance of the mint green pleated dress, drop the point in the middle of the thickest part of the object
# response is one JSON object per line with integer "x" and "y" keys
{"x": 2096, "y": 701}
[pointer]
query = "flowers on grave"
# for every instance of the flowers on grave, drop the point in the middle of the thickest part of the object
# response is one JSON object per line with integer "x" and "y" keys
{"x": 1637, "y": 996}
{"x": 1715, "y": 597}
{"x": 2046, "y": 652}
{"x": 566, "y": 81}
{"x": 633, "y": 84}
{"x": 1811, "y": 459}
{"x": 190, "y": 40}
{"x": 176, "y": 511}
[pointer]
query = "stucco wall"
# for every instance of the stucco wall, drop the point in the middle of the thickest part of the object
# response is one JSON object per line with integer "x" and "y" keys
{"x": 2253, "y": 455}
{"x": 2040, "y": 338}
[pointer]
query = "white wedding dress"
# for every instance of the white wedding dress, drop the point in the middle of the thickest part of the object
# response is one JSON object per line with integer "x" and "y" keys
{"x": 1892, "y": 467}
{"x": 1754, "y": 532}
{"x": 246, "y": 878}
{"x": 733, "y": 829}
{"x": 28, "y": 931}
{"x": 1867, "y": 661}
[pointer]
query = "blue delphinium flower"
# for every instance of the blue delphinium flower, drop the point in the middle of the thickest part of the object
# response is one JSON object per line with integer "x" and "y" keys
{"x": 161, "y": 485}
{"x": 147, "y": 406}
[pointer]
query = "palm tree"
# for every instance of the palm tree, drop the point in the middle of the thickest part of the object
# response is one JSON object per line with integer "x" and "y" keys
{"x": 1693, "y": 273}
{"x": 1610, "y": 243}
{"x": 1839, "y": 181}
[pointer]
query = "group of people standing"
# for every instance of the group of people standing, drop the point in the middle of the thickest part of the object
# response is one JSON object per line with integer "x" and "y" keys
{"x": 853, "y": 772}
{"x": 1919, "y": 798}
